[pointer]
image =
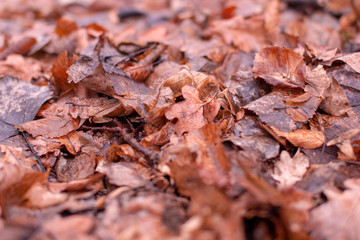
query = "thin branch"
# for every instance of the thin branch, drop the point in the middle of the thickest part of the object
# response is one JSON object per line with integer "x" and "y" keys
{"x": 40, "y": 165}
{"x": 153, "y": 157}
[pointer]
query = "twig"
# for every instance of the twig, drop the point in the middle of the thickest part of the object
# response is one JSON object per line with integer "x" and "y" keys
{"x": 111, "y": 129}
{"x": 153, "y": 157}
{"x": 135, "y": 54}
{"x": 40, "y": 165}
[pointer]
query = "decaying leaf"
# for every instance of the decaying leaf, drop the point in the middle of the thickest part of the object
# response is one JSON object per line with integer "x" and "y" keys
{"x": 39, "y": 197}
{"x": 263, "y": 146}
{"x": 336, "y": 102}
{"x": 271, "y": 110}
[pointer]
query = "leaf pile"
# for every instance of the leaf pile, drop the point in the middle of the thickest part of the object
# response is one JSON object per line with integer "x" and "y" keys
{"x": 179, "y": 119}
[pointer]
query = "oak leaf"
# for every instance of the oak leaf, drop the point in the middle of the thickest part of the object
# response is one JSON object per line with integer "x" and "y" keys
{"x": 289, "y": 169}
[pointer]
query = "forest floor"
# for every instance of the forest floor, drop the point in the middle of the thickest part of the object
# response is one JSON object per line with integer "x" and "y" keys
{"x": 179, "y": 119}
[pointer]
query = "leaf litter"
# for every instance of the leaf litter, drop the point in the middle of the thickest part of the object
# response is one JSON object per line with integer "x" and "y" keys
{"x": 167, "y": 120}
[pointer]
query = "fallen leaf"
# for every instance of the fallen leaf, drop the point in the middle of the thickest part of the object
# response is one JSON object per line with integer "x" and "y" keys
{"x": 61, "y": 64}
{"x": 265, "y": 147}
{"x": 337, "y": 218}
{"x": 51, "y": 126}
{"x": 20, "y": 47}
{"x": 348, "y": 80}
{"x": 290, "y": 170}
{"x": 19, "y": 103}
{"x": 280, "y": 66}
{"x": 190, "y": 113}
{"x": 81, "y": 166}
{"x": 271, "y": 110}
{"x": 344, "y": 142}
{"x": 308, "y": 139}
{"x": 351, "y": 59}
{"x": 121, "y": 174}
{"x": 39, "y": 196}
{"x": 64, "y": 227}
{"x": 102, "y": 76}
{"x": 336, "y": 102}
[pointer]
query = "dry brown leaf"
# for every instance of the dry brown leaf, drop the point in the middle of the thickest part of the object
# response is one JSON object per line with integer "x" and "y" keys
{"x": 271, "y": 110}
{"x": 246, "y": 34}
{"x": 308, "y": 139}
{"x": 317, "y": 81}
{"x": 349, "y": 82}
{"x": 190, "y": 113}
{"x": 339, "y": 217}
{"x": 15, "y": 188}
{"x": 61, "y": 64}
{"x": 160, "y": 137}
{"x": 39, "y": 196}
{"x": 336, "y": 102}
{"x": 51, "y": 126}
{"x": 303, "y": 107}
{"x": 16, "y": 156}
{"x": 94, "y": 72}
{"x": 351, "y": 59}
{"x": 280, "y": 66}
{"x": 65, "y": 25}
{"x": 20, "y": 67}
{"x": 64, "y": 227}
{"x": 81, "y": 141}
{"x": 97, "y": 109}
{"x": 289, "y": 169}
{"x": 20, "y": 47}
{"x": 81, "y": 166}
{"x": 122, "y": 174}
{"x": 263, "y": 146}
{"x": 344, "y": 143}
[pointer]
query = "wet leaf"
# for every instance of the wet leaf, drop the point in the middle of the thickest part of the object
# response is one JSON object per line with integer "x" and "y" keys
{"x": 20, "y": 102}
